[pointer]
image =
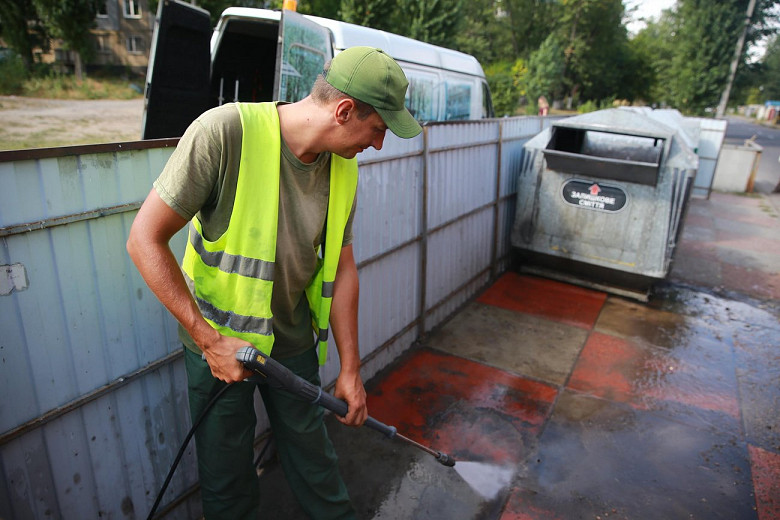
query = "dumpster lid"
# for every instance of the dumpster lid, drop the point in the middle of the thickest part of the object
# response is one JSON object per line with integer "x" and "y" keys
{"x": 688, "y": 131}
{"x": 610, "y": 144}
{"x": 617, "y": 121}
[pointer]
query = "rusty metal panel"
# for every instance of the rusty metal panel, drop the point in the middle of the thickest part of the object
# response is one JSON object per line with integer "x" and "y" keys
{"x": 77, "y": 442}
{"x": 390, "y": 291}
{"x": 389, "y": 202}
{"x": 456, "y": 254}
{"x": 462, "y": 134}
{"x": 462, "y": 169}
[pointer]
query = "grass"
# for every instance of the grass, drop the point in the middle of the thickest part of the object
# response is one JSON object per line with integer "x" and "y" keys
{"x": 57, "y": 86}
{"x": 45, "y": 82}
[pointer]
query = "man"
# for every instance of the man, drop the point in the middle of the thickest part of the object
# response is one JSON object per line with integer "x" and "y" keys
{"x": 266, "y": 186}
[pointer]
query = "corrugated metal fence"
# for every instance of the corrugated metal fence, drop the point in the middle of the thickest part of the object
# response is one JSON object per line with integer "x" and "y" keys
{"x": 94, "y": 403}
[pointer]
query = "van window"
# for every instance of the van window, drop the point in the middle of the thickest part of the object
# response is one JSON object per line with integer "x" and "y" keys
{"x": 421, "y": 98}
{"x": 300, "y": 71}
{"x": 305, "y": 50}
{"x": 458, "y": 101}
{"x": 487, "y": 103}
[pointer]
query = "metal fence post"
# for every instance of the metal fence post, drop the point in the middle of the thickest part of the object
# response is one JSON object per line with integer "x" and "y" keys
{"x": 424, "y": 235}
{"x": 496, "y": 204}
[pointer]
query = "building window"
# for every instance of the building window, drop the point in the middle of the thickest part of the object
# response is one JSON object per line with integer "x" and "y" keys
{"x": 132, "y": 8}
{"x": 135, "y": 45}
{"x": 102, "y": 11}
{"x": 102, "y": 43}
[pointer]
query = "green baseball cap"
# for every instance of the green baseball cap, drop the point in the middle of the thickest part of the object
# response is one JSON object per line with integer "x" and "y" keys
{"x": 373, "y": 77}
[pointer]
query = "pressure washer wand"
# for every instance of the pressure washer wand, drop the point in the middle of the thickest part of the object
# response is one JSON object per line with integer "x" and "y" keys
{"x": 279, "y": 376}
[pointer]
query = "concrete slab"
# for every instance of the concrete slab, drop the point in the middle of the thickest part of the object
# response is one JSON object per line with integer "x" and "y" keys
{"x": 758, "y": 361}
{"x": 599, "y": 459}
{"x": 547, "y": 299}
{"x": 427, "y": 386}
{"x": 534, "y": 347}
{"x": 751, "y": 280}
{"x": 731, "y": 245}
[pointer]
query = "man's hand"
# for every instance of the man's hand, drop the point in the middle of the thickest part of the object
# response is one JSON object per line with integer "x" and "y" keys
{"x": 220, "y": 354}
{"x": 349, "y": 387}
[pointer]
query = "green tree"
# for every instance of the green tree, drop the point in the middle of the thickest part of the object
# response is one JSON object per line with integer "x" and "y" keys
{"x": 697, "y": 40}
{"x": 595, "y": 45}
{"x": 477, "y": 35}
{"x": 506, "y": 81}
{"x": 654, "y": 48}
{"x": 545, "y": 71}
{"x": 771, "y": 73}
{"x": 432, "y": 21}
{"x": 21, "y": 29}
{"x": 70, "y": 21}
{"x": 522, "y": 25}
{"x": 760, "y": 82}
{"x": 323, "y": 8}
{"x": 377, "y": 14}
{"x": 700, "y": 64}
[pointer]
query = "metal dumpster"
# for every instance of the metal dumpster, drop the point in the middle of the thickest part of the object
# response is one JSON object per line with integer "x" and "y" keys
{"x": 601, "y": 199}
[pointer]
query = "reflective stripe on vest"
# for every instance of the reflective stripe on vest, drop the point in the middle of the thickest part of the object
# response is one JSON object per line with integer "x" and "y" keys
{"x": 231, "y": 278}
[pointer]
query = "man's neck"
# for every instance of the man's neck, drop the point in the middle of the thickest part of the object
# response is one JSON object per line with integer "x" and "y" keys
{"x": 300, "y": 129}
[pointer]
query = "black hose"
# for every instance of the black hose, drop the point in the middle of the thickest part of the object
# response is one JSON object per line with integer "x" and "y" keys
{"x": 183, "y": 447}
{"x": 262, "y": 452}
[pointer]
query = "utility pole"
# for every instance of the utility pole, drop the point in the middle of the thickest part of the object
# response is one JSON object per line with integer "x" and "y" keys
{"x": 724, "y": 99}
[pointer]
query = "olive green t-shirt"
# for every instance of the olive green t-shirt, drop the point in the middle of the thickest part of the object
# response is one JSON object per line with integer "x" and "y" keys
{"x": 200, "y": 179}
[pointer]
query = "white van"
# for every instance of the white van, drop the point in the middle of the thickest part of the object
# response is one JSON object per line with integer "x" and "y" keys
{"x": 263, "y": 55}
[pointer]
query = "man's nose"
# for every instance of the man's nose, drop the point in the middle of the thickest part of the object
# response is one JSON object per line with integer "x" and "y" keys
{"x": 377, "y": 143}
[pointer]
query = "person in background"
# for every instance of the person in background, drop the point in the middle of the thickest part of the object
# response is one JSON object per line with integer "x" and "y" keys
{"x": 544, "y": 106}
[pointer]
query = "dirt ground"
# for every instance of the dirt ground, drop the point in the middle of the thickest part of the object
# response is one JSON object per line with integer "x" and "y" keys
{"x": 43, "y": 123}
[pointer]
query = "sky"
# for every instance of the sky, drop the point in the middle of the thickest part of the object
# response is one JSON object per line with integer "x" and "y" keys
{"x": 645, "y": 9}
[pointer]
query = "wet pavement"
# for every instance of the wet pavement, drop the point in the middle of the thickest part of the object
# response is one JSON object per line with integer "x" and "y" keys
{"x": 561, "y": 402}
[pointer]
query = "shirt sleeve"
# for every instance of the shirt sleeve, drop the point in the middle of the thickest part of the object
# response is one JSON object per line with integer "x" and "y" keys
{"x": 191, "y": 178}
{"x": 348, "y": 227}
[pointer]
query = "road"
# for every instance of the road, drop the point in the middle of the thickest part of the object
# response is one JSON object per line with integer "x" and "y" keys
{"x": 768, "y": 175}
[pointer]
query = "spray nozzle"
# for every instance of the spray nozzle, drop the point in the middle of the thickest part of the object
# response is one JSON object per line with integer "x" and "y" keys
{"x": 445, "y": 459}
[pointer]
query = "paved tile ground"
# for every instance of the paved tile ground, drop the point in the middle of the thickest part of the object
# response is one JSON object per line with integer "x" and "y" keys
{"x": 560, "y": 402}
{"x": 731, "y": 243}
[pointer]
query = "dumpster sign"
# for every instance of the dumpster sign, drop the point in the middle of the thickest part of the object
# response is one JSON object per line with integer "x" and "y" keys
{"x": 592, "y": 195}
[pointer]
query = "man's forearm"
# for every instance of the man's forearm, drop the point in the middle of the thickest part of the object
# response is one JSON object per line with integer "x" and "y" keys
{"x": 160, "y": 270}
{"x": 148, "y": 248}
{"x": 344, "y": 314}
{"x": 344, "y": 323}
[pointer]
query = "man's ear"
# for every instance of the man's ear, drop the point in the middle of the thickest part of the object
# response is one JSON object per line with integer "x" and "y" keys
{"x": 345, "y": 109}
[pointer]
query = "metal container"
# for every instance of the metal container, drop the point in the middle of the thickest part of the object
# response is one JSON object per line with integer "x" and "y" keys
{"x": 601, "y": 200}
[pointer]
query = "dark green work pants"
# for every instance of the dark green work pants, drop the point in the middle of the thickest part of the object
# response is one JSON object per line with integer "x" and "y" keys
{"x": 224, "y": 443}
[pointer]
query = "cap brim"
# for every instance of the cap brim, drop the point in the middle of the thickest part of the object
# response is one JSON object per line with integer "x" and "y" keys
{"x": 400, "y": 122}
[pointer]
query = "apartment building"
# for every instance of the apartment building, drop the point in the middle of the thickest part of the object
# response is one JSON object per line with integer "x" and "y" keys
{"x": 122, "y": 35}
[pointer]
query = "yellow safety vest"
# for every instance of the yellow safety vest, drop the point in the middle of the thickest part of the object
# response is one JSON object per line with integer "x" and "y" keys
{"x": 231, "y": 278}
